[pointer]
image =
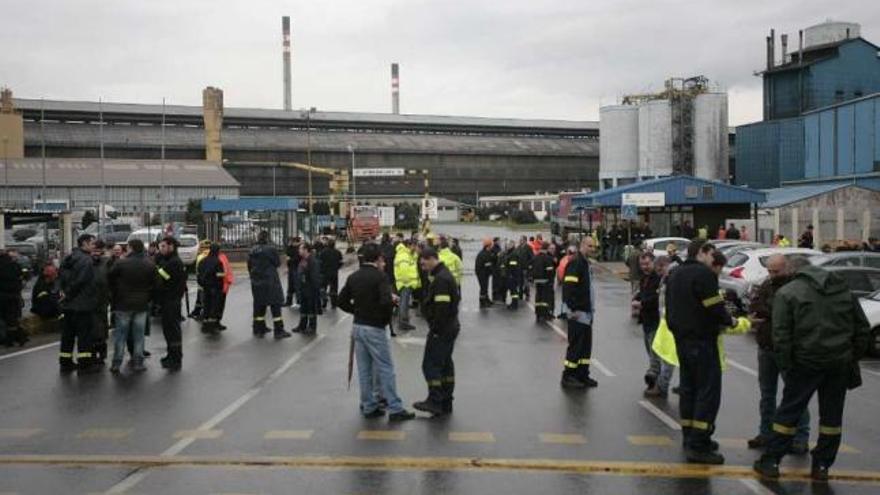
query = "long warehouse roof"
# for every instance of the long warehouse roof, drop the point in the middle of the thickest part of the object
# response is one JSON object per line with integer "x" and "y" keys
{"x": 139, "y": 136}
{"x": 263, "y": 116}
{"x": 86, "y": 172}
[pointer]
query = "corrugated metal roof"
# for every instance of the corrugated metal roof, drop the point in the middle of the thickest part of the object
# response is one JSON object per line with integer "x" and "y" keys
{"x": 251, "y": 203}
{"x": 784, "y": 196}
{"x": 86, "y": 172}
{"x": 318, "y": 116}
{"x": 87, "y": 135}
{"x": 679, "y": 190}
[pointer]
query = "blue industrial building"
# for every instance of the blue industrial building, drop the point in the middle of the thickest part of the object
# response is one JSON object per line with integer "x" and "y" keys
{"x": 821, "y": 113}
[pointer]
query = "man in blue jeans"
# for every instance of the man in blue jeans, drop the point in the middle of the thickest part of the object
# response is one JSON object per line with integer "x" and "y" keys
{"x": 131, "y": 280}
{"x": 761, "y": 307}
{"x": 367, "y": 295}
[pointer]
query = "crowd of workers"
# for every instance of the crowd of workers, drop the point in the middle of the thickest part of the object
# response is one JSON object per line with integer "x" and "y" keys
{"x": 811, "y": 331}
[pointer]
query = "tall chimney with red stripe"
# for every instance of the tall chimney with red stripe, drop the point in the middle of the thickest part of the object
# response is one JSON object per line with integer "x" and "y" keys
{"x": 395, "y": 89}
{"x": 285, "y": 32}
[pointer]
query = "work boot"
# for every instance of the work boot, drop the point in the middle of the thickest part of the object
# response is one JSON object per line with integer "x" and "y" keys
{"x": 650, "y": 380}
{"x": 429, "y": 406}
{"x": 447, "y": 406}
{"x": 767, "y": 467}
{"x": 654, "y": 393}
{"x": 700, "y": 457}
{"x": 590, "y": 383}
{"x": 375, "y": 413}
{"x": 402, "y": 415}
{"x": 572, "y": 383}
{"x": 819, "y": 473}
{"x": 88, "y": 368}
{"x": 170, "y": 363}
{"x": 759, "y": 442}
{"x": 281, "y": 334}
{"x": 114, "y": 368}
{"x": 260, "y": 331}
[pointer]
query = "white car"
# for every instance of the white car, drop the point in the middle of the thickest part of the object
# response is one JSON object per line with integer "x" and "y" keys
{"x": 146, "y": 235}
{"x": 871, "y": 307}
{"x": 188, "y": 249}
{"x": 657, "y": 245}
{"x": 748, "y": 268}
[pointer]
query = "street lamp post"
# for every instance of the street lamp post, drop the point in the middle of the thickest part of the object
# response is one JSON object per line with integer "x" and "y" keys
{"x": 353, "y": 177}
{"x": 309, "y": 153}
{"x": 6, "y": 171}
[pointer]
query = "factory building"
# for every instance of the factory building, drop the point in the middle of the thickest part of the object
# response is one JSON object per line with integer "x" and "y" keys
{"x": 466, "y": 157}
{"x": 679, "y": 131}
{"x": 820, "y": 111}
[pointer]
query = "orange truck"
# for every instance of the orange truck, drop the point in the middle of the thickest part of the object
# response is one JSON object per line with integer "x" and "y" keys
{"x": 364, "y": 223}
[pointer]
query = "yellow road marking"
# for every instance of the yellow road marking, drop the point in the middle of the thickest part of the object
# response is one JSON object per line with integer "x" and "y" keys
{"x": 105, "y": 433}
{"x": 471, "y": 437}
{"x": 288, "y": 434}
{"x": 388, "y": 435}
{"x": 199, "y": 434}
{"x": 650, "y": 440}
{"x": 614, "y": 468}
{"x": 19, "y": 432}
{"x": 563, "y": 438}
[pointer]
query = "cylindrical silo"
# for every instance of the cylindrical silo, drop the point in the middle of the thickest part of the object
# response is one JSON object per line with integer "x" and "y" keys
{"x": 711, "y": 148}
{"x": 655, "y": 139}
{"x": 618, "y": 144}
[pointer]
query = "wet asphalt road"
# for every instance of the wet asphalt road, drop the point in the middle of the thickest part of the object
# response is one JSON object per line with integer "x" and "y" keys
{"x": 260, "y": 416}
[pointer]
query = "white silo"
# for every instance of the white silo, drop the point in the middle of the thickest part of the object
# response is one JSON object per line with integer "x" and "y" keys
{"x": 655, "y": 139}
{"x": 830, "y": 32}
{"x": 618, "y": 144}
{"x": 711, "y": 149}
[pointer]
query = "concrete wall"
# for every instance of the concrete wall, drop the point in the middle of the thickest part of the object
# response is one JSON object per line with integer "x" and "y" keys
{"x": 850, "y": 213}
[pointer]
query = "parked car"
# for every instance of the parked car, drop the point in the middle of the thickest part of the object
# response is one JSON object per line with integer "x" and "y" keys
{"x": 729, "y": 248}
{"x": 871, "y": 307}
{"x": 748, "y": 268}
{"x": 862, "y": 281}
{"x": 110, "y": 232}
{"x": 848, "y": 258}
{"x": 657, "y": 245}
{"x": 188, "y": 249}
{"x": 147, "y": 235}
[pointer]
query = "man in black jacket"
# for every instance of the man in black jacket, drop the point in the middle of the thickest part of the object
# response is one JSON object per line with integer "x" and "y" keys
{"x": 441, "y": 311}
{"x": 263, "y": 263}
{"x": 78, "y": 302}
{"x": 10, "y": 301}
{"x": 484, "y": 265}
{"x": 330, "y": 259}
{"x": 132, "y": 281}
{"x": 579, "y": 298}
{"x": 696, "y": 313}
{"x": 292, "y": 252}
{"x": 544, "y": 275}
{"x": 647, "y": 302}
{"x": 499, "y": 281}
{"x": 310, "y": 290}
{"x": 170, "y": 289}
{"x": 367, "y": 295}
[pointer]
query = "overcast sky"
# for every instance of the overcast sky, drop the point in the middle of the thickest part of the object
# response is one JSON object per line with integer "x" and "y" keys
{"x": 501, "y": 58}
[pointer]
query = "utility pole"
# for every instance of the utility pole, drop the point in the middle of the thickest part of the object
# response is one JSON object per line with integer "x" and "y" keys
{"x": 103, "y": 200}
{"x": 6, "y": 172}
{"x": 353, "y": 176}
{"x": 43, "y": 148}
{"x": 162, "y": 173}
{"x": 309, "y": 153}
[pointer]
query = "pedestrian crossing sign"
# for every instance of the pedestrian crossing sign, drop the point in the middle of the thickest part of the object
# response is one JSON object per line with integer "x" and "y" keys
{"x": 629, "y": 212}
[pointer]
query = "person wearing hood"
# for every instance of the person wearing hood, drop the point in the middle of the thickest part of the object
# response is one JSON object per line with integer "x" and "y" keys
{"x": 46, "y": 296}
{"x": 263, "y": 263}
{"x": 406, "y": 278}
{"x": 819, "y": 334}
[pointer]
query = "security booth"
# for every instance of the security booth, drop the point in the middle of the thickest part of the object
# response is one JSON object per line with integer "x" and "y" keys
{"x": 235, "y": 223}
{"x": 669, "y": 205}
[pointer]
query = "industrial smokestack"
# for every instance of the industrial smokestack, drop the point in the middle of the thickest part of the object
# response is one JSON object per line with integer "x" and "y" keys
{"x": 784, "y": 38}
{"x": 801, "y": 47}
{"x": 212, "y": 114}
{"x": 395, "y": 89}
{"x": 771, "y": 49}
{"x": 285, "y": 32}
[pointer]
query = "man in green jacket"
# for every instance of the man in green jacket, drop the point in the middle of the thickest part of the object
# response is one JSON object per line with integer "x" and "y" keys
{"x": 819, "y": 334}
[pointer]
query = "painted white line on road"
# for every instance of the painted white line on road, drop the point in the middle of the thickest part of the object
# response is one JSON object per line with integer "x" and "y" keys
{"x": 136, "y": 477}
{"x": 742, "y": 367}
{"x": 871, "y": 372}
{"x": 593, "y": 361}
{"x": 756, "y": 487}
{"x": 662, "y": 416}
{"x": 28, "y": 351}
